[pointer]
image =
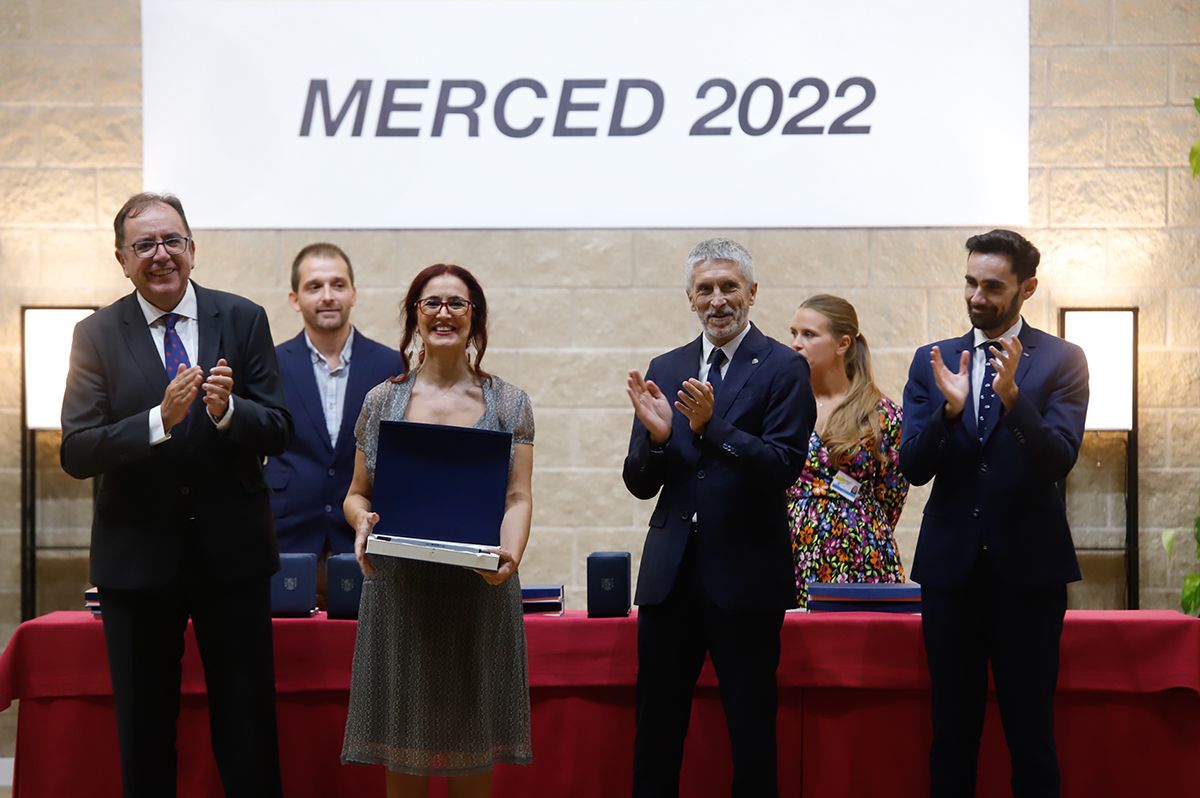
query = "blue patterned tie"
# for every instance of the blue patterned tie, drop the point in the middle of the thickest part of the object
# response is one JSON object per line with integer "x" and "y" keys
{"x": 715, "y": 360}
{"x": 987, "y": 396}
{"x": 173, "y": 352}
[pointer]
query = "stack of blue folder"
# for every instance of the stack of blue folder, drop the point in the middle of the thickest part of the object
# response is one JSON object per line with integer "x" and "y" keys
{"x": 864, "y": 597}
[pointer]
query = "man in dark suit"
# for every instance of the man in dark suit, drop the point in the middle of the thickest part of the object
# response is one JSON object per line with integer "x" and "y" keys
{"x": 327, "y": 370}
{"x": 995, "y": 554}
{"x": 716, "y": 572}
{"x": 172, "y": 400}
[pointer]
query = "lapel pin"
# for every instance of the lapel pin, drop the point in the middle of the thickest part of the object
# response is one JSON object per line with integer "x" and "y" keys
{"x": 754, "y": 362}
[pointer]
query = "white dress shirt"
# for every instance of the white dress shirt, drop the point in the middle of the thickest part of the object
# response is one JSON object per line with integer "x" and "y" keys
{"x": 331, "y": 384}
{"x": 980, "y": 356}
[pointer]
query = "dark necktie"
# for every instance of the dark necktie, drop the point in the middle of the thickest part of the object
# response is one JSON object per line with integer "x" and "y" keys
{"x": 989, "y": 403}
{"x": 716, "y": 359}
{"x": 173, "y": 352}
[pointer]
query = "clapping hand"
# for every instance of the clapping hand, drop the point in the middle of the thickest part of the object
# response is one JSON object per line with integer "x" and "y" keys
{"x": 954, "y": 387}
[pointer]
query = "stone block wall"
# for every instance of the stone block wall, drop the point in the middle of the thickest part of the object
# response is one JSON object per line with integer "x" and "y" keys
{"x": 1112, "y": 207}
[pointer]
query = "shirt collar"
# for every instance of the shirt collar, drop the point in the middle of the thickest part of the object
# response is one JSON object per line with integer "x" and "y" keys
{"x": 343, "y": 357}
{"x": 980, "y": 336}
{"x": 730, "y": 348}
{"x": 186, "y": 307}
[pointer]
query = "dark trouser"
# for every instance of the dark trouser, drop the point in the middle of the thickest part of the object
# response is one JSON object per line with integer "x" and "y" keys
{"x": 673, "y": 638}
{"x": 143, "y": 631}
{"x": 1018, "y": 629}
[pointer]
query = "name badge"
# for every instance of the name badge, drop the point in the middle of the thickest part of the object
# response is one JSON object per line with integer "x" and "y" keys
{"x": 846, "y": 486}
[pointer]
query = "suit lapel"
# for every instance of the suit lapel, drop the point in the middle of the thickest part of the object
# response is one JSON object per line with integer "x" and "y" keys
{"x": 300, "y": 373}
{"x": 208, "y": 316}
{"x": 752, "y": 351}
{"x": 141, "y": 346}
{"x": 952, "y": 359}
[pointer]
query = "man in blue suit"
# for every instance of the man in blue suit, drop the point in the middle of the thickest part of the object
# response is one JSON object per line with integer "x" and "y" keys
{"x": 327, "y": 370}
{"x": 995, "y": 419}
{"x": 719, "y": 443}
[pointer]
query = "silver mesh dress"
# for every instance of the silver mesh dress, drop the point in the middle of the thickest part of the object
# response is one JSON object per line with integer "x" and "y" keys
{"x": 440, "y": 684}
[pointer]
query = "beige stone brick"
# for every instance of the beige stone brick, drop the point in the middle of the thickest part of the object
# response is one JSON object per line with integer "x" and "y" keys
{"x": 659, "y": 256}
{"x": 1184, "y": 431}
{"x": 1160, "y": 572}
{"x": 113, "y": 188}
{"x": 1153, "y": 442}
{"x": 1183, "y": 198}
{"x": 893, "y": 319}
{"x": 62, "y": 576}
{"x": 10, "y": 441}
{"x": 1158, "y": 258}
{"x": 1168, "y": 379}
{"x": 47, "y": 197}
{"x": 806, "y": 258}
{"x": 602, "y": 437}
{"x": 1071, "y": 257}
{"x": 1039, "y": 76}
{"x": 1066, "y": 137}
{"x": 67, "y": 256}
{"x": 16, "y": 20}
{"x": 1058, "y": 22}
{"x": 1183, "y": 320}
{"x": 580, "y": 498}
{"x": 555, "y": 441}
{"x": 1103, "y": 198}
{"x": 1155, "y": 598}
{"x": 534, "y": 258}
{"x": 74, "y": 22}
{"x": 591, "y": 316}
{"x": 10, "y": 373}
{"x": 1039, "y": 197}
{"x": 549, "y": 557}
{"x": 108, "y": 137}
{"x": 1153, "y": 439}
{"x": 1155, "y": 22}
{"x": 1151, "y": 137}
{"x": 51, "y": 74}
{"x": 578, "y": 378}
{"x": 10, "y": 486}
{"x": 890, "y": 367}
{"x": 19, "y": 136}
{"x": 1103, "y": 585}
{"x": 947, "y": 312}
{"x": 916, "y": 258}
{"x": 1102, "y": 76}
{"x": 240, "y": 261}
{"x": 18, "y": 255}
{"x": 1185, "y": 74}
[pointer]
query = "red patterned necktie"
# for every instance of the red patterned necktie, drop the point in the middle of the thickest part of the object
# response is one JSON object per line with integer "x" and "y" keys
{"x": 173, "y": 351}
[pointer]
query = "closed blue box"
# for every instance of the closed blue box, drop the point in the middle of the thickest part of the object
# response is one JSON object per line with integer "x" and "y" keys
{"x": 294, "y": 585}
{"x": 608, "y": 593}
{"x": 344, "y": 588}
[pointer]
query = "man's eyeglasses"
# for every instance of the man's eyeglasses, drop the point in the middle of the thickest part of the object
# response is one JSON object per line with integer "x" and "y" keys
{"x": 431, "y": 306}
{"x": 175, "y": 245}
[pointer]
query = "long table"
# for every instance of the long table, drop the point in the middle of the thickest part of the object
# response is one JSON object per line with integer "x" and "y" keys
{"x": 853, "y": 719}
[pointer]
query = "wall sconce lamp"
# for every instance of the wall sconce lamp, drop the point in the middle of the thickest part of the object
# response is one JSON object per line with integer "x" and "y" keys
{"x": 1109, "y": 338}
{"x": 45, "y": 357}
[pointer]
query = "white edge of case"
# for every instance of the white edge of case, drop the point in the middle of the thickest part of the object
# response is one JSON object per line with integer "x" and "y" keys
{"x": 483, "y": 560}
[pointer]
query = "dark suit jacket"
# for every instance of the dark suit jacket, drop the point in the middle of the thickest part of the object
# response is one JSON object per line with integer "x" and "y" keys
{"x": 1000, "y": 493}
{"x": 312, "y": 475}
{"x": 147, "y": 494}
{"x": 734, "y": 477}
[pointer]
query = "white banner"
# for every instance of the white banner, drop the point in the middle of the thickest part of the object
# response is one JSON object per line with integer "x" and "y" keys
{"x": 588, "y": 113}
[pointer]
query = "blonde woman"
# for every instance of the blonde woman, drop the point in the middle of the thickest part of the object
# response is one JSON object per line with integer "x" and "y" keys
{"x": 845, "y": 504}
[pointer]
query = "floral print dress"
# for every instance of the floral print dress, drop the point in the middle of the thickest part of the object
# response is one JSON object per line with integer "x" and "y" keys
{"x": 835, "y": 539}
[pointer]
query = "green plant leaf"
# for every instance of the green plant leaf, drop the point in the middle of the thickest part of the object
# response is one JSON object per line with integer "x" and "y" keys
{"x": 1168, "y": 541}
{"x": 1196, "y": 102}
{"x": 1194, "y": 159}
{"x": 1196, "y": 532}
{"x": 1189, "y": 597}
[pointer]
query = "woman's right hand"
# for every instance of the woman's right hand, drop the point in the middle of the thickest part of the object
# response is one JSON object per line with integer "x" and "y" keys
{"x": 366, "y": 522}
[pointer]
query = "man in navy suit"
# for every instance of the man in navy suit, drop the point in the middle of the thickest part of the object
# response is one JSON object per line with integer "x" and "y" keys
{"x": 719, "y": 442}
{"x": 171, "y": 402}
{"x": 995, "y": 419}
{"x": 327, "y": 370}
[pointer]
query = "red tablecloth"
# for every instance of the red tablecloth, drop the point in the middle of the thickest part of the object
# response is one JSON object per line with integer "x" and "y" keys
{"x": 853, "y": 720}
